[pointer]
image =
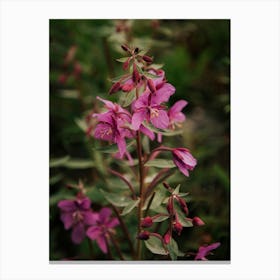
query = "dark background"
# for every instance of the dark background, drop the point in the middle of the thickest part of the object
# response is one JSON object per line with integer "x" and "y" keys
{"x": 196, "y": 58}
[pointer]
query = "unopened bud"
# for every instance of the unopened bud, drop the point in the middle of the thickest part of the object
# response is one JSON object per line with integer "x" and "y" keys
{"x": 170, "y": 207}
{"x": 167, "y": 238}
{"x": 62, "y": 78}
{"x": 178, "y": 227}
{"x": 115, "y": 88}
{"x": 151, "y": 85}
{"x": 135, "y": 74}
{"x": 183, "y": 205}
{"x": 127, "y": 87}
{"x": 125, "y": 47}
{"x": 126, "y": 64}
{"x": 147, "y": 58}
{"x": 136, "y": 50}
{"x": 147, "y": 222}
{"x": 144, "y": 235}
{"x": 197, "y": 221}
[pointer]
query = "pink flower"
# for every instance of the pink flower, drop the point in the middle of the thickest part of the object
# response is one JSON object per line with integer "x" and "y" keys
{"x": 148, "y": 107}
{"x": 175, "y": 115}
{"x": 112, "y": 125}
{"x": 103, "y": 228}
{"x": 203, "y": 251}
{"x": 184, "y": 160}
{"x": 76, "y": 214}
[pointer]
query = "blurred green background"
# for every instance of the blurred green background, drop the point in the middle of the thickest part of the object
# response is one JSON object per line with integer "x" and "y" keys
{"x": 196, "y": 58}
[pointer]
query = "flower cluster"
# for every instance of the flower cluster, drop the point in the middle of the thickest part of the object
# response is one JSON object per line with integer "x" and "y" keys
{"x": 78, "y": 215}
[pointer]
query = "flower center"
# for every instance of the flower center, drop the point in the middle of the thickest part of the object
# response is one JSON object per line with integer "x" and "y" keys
{"x": 154, "y": 113}
{"x": 77, "y": 216}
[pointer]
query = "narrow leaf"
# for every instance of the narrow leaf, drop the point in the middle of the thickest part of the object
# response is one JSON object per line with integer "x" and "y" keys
{"x": 130, "y": 206}
{"x": 56, "y": 162}
{"x": 122, "y": 59}
{"x": 155, "y": 246}
{"x": 160, "y": 163}
{"x": 116, "y": 199}
{"x": 160, "y": 219}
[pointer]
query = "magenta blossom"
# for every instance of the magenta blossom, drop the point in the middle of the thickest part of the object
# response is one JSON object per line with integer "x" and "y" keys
{"x": 184, "y": 160}
{"x": 148, "y": 107}
{"x": 113, "y": 125}
{"x": 76, "y": 214}
{"x": 102, "y": 228}
{"x": 175, "y": 115}
{"x": 203, "y": 251}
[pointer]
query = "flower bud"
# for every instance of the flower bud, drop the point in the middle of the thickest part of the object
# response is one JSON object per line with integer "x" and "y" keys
{"x": 169, "y": 207}
{"x": 135, "y": 74}
{"x": 183, "y": 205}
{"x": 197, "y": 221}
{"x": 151, "y": 85}
{"x": 126, "y": 64}
{"x": 167, "y": 238}
{"x": 147, "y": 58}
{"x": 178, "y": 227}
{"x": 125, "y": 47}
{"x": 144, "y": 235}
{"x": 115, "y": 88}
{"x": 136, "y": 50}
{"x": 62, "y": 78}
{"x": 127, "y": 87}
{"x": 147, "y": 222}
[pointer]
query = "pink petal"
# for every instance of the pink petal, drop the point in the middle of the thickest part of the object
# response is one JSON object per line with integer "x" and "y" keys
{"x": 93, "y": 232}
{"x": 110, "y": 105}
{"x": 103, "y": 131}
{"x": 90, "y": 218}
{"x": 113, "y": 223}
{"x": 159, "y": 137}
{"x": 162, "y": 94}
{"x": 147, "y": 132}
{"x": 121, "y": 145}
{"x": 189, "y": 160}
{"x": 142, "y": 101}
{"x": 67, "y": 205}
{"x": 104, "y": 214}
{"x": 102, "y": 243}
{"x": 67, "y": 219}
{"x": 178, "y": 106}
{"x": 213, "y": 246}
{"x": 85, "y": 203}
{"x": 182, "y": 167}
{"x": 105, "y": 117}
{"x": 138, "y": 118}
{"x": 160, "y": 120}
{"x": 78, "y": 233}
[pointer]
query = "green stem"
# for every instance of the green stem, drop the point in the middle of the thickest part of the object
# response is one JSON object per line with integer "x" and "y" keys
{"x": 117, "y": 247}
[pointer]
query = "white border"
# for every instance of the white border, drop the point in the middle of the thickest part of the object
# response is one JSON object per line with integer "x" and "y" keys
{"x": 254, "y": 146}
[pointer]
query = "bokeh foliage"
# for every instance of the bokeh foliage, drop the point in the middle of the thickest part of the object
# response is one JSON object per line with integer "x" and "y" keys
{"x": 196, "y": 58}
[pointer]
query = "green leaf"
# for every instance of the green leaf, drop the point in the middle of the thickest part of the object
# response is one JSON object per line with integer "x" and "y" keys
{"x": 130, "y": 206}
{"x": 165, "y": 132}
{"x": 116, "y": 199}
{"x": 160, "y": 163}
{"x": 127, "y": 98}
{"x": 81, "y": 124}
{"x": 142, "y": 52}
{"x": 56, "y": 162}
{"x": 155, "y": 246}
{"x": 157, "y": 66}
{"x": 160, "y": 194}
{"x": 174, "y": 250}
{"x": 110, "y": 149}
{"x": 160, "y": 219}
{"x": 122, "y": 59}
{"x": 177, "y": 189}
{"x": 150, "y": 75}
{"x": 56, "y": 178}
{"x": 182, "y": 217}
{"x": 79, "y": 164}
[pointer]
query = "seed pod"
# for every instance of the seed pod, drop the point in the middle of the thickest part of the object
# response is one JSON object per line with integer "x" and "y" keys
{"x": 147, "y": 58}
{"x": 115, "y": 88}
